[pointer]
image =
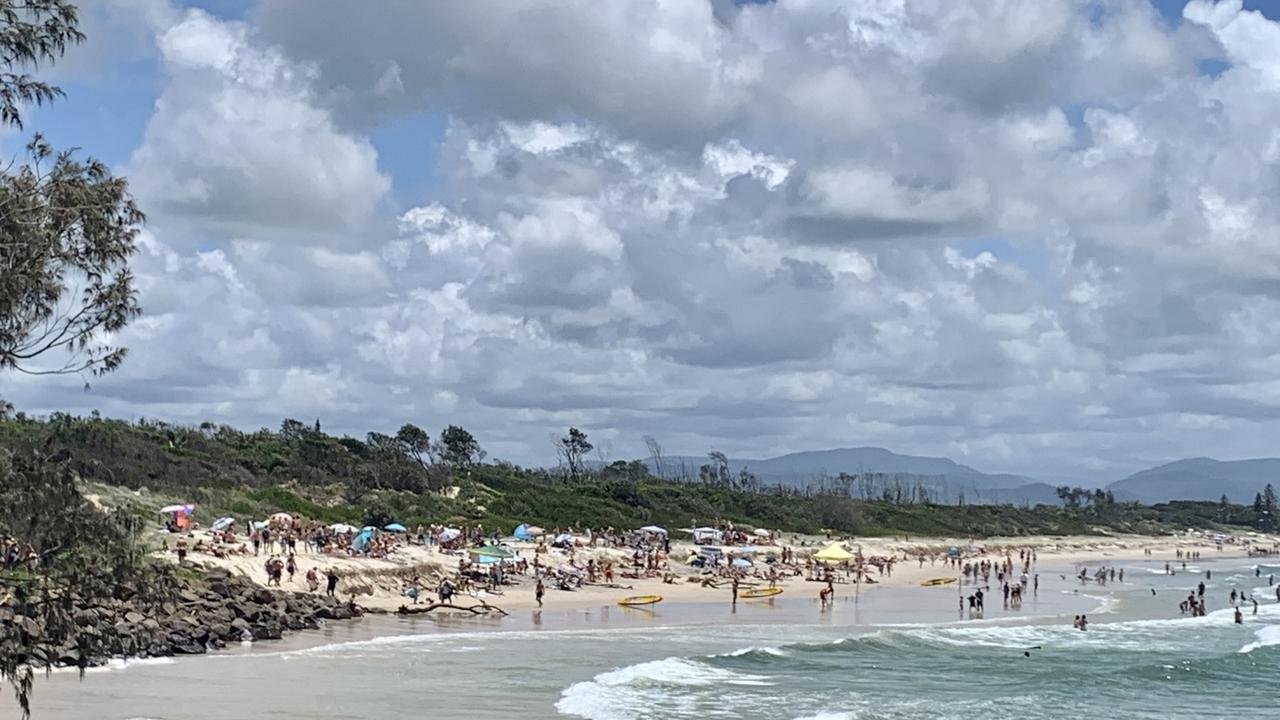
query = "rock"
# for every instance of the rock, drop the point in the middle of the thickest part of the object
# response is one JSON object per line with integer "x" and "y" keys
{"x": 86, "y": 617}
{"x": 69, "y": 656}
{"x": 220, "y": 589}
{"x": 29, "y": 626}
{"x": 189, "y": 648}
{"x": 134, "y": 617}
{"x": 262, "y": 596}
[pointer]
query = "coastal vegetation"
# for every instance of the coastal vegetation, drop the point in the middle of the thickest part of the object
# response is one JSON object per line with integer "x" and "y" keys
{"x": 415, "y": 478}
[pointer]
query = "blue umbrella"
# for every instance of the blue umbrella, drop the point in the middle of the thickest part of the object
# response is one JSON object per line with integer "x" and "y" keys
{"x": 741, "y": 562}
{"x": 396, "y": 527}
{"x": 258, "y": 524}
{"x": 222, "y": 524}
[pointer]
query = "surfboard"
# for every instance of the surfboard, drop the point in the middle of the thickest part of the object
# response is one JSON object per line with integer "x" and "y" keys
{"x": 640, "y": 600}
{"x": 760, "y": 593}
{"x": 938, "y": 581}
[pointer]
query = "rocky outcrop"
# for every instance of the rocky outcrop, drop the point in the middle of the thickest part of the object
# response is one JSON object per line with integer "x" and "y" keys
{"x": 206, "y": 614}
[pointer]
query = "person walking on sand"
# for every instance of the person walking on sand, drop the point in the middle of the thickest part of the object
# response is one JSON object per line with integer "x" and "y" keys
{"x": 539, "y": 591}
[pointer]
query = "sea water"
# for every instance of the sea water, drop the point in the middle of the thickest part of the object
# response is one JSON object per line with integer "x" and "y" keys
{"x": 886, "y": 654}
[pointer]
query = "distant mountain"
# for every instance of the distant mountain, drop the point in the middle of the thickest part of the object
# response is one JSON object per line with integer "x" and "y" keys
{"x": 1200, "y": 479}
{"x": 945, "y": 479}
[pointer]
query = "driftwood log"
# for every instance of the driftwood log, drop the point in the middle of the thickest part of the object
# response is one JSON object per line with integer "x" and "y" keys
{"x": 481, "y": 609}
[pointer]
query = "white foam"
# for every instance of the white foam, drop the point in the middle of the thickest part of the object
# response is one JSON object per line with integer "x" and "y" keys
{"x": 621, "y": 692}
{"x": 767, "y": 650}
{"x": 126, "y": 663}
{"x": 1266, "y": 637}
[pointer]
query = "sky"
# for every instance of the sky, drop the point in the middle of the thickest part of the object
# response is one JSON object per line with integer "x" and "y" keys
{"x": 1032, "y": 237}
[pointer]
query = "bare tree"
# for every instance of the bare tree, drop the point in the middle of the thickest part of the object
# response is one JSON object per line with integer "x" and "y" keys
{"x": 655, "y": 453}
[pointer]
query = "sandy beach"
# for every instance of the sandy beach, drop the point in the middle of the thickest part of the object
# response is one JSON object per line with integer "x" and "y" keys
{"x": 379, "y": 583}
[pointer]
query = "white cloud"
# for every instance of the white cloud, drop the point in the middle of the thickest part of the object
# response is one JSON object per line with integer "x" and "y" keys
{"x": 238, "y": 138}
{"x": 1034, "y": 237}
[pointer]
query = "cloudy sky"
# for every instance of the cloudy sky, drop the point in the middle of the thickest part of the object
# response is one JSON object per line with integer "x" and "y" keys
{"x": 1035, "y": 237}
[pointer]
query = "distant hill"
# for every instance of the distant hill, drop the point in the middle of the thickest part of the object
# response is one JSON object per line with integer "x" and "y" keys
{"x": 1200, "y": 479}
{"x": 945, "y": 479}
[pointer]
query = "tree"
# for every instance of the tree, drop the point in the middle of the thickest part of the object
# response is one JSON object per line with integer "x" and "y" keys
{"x": 81, "y": 551}
{"x": 416, "y": 443}
{"x": 1269, "y": 520}
{"x": 459, "y": 448}
{"x": 67, "y": 227}
{"x": 572, "y": 448}
{"x": 655, "y": 453}
{"x": 719, "y": 468}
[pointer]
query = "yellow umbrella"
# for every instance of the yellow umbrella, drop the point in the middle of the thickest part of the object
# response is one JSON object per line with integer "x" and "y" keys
{"x": 833, "y": 553}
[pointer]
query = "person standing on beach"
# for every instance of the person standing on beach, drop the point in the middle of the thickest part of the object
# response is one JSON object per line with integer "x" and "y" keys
{"x": 331, "y": 581}
{"x": 539, "y": 591}
{"x": 735, "y": 591}
{"x": 313, "y": 580}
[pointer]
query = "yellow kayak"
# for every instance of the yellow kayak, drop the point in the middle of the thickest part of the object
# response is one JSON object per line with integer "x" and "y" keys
{"x": 760, "y": 593}
{"x": 938, "y": 581}
{"x": 640, "y": 600}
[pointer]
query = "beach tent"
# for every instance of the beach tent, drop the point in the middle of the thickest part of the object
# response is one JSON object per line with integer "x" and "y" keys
{"x": 524, "y": 532}
{"x": 450, "y": 534}
{"x": 833, "y": 553}
{"x": 222, "y": 523}
{"x": 653, "y": 529}
{"x": 705, "y": 535}
{"x": 361, "y": 541}
{"x": 953, "y": 552}
{"x": 491, "y": 551}
{"x": 343, "y": 528}
{"x": 396, "y": 527}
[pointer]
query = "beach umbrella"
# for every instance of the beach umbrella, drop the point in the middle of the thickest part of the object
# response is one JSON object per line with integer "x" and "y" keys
{"x": 342, "y": 528}
{"x": 522, "y": 532}
{"x": 396, "y": 527}
{"x": 450, "y": 534}
{"x": 653, "y": 529}
{"x": 491, "y": 551}
{"x": 746, "y": 549}
{"x": 833, "y": 553}
{"x": 184, "y": 509}
{"x": 535, "y": 531}
{"x": 282, "y": 517}
{"x": 761, "y": 532}
{"x": 563, "y": 538}
{"x": 259, "y": 524}
{"x": 222, "y": 524}
{"x": 742, "y": 563}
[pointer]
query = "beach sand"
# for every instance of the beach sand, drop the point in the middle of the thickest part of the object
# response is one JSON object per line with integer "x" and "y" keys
{"x": 378, "y": 584}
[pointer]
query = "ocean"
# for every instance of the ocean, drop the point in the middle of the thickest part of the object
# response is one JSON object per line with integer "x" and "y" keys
{"x": 886, "y": 654}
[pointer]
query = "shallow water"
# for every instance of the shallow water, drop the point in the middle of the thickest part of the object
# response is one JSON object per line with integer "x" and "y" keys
{"x": 888, "y": 654}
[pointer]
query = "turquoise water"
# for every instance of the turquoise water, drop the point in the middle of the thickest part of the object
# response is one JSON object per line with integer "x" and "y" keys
{"x": 890, "y": 654}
